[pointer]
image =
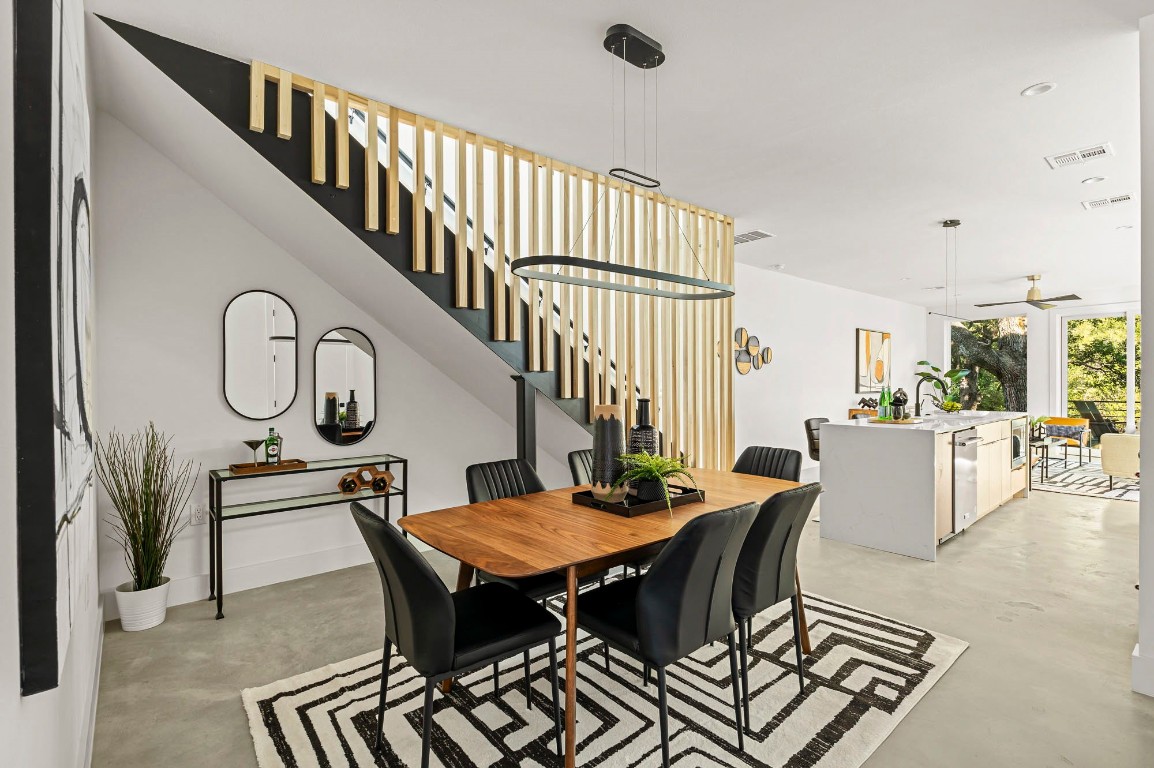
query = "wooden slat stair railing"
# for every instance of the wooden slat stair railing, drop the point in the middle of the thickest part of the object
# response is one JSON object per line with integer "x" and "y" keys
{"x": 507, "y": 202}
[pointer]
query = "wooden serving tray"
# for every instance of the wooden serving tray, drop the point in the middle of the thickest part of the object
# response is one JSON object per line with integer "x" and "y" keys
{"x": 876, "y": 420}
{"x": 259, "y": 469}
{"x": 630, "y": 507}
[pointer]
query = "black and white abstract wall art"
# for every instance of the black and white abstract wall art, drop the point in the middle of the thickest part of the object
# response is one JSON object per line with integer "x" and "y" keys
{"x": 56, "y": 524}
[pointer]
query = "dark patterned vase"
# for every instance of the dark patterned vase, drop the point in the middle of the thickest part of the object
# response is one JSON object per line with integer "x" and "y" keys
{"x": 608, "y": 445}
{"x": 643, "y": 436}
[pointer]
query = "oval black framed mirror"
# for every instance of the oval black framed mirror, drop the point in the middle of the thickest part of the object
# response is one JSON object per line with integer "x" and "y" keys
{"x": 260, "y": 355}
{"x": 345, "y": 386}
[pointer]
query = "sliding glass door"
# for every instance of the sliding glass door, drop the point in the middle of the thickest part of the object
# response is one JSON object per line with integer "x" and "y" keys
{"x": 1102, "y": 370}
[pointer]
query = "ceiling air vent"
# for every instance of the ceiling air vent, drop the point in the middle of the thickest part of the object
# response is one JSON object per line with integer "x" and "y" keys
{"x": 749, "y": 237}
{"x": 1079, "y": 156}
{"x": 1105, "y": 202}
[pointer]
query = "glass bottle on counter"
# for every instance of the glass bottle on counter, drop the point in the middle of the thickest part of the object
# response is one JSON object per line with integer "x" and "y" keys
{"x": 885, "y": 410}
{"x": 272, "y": 446}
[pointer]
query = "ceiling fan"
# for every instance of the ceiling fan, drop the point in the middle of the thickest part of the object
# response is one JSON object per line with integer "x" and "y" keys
{"x": 1034, "y": 297}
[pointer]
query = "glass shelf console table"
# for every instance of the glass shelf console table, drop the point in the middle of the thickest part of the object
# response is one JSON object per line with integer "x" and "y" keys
{"x": 219, "y": 512}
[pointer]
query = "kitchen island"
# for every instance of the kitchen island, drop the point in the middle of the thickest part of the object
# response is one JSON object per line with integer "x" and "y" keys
{"x": 907, "y": 488}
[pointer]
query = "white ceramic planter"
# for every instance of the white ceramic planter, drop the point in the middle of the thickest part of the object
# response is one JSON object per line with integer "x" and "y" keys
{"x": 144, "y": 609}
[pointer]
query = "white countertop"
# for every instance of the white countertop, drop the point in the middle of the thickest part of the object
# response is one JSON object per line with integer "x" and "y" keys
{"x": 935, "y": 422}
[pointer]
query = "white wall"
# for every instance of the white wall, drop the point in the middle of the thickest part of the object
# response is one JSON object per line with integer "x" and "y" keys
{"x": 1143, "y": 658}
{"x": 173, "y": 256}
{"x": 811, "y": 328}
{"x": 51, "y": 729}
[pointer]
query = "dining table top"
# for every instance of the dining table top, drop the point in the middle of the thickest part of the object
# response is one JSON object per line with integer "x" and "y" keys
{"x": 522, "y": 536}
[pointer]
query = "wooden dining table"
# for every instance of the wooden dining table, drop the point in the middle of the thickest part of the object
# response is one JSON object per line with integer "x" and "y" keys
{"x": 547, "y": 532}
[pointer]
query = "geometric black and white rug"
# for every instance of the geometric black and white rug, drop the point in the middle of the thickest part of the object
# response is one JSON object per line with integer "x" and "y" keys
{"x": 865, "y": 674}
{"x": 1085, "y": 480}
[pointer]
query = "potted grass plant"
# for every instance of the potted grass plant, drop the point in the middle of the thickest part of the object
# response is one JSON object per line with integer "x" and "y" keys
{"x": 651, "y": 473}
{"x": 149, "y": 492}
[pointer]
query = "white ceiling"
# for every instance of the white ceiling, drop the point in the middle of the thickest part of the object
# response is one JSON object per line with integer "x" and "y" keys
{"x": 848, "y": 129}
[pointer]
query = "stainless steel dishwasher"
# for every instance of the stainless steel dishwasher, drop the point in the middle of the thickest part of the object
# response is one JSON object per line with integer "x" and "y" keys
{"x": 965, "y": 478}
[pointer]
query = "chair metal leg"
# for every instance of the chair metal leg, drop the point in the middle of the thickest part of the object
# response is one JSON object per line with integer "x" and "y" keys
{"x": 426, "y": 729}
{"x": 645, "y": 674}
{"x": 797, "y": 643}
{"x": 496, "y": 679}
{"x": 1111, "y": 482}
{"x": 556, "y": 702}
{"x": 663, "y": 707}
{"x": 384, "y": 687}
{"x": 736, "y": 695}
{"x": 528, "y": 684}
{"x": 743, "y": 641}
{"x": 606, "y": 657}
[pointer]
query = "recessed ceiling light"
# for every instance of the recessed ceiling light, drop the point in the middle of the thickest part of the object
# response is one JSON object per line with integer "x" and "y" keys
{"x": 1125, "y": 226}
{"x": 777, "y": 267}
{"x": 934, "y": 288}
{"x": 1037, "y": 89}
{"x": 904, "y": 279}
{"x": 1094, "y": 180}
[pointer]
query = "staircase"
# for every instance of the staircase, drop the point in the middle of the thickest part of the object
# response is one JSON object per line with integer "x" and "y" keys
{"x": 578, "y": 346}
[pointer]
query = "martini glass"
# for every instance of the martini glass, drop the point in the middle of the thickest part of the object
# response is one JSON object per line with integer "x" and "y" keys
{"x": 253, "y": 445}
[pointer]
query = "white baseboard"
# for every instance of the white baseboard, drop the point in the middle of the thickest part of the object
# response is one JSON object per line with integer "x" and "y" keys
{"x": 1142, "y": 673}
{"x": 193, "y": 588}
{"x": 90, "y": 720}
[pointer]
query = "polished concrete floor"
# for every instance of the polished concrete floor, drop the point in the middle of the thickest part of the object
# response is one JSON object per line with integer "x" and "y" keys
{"x": 1043, "y": 590}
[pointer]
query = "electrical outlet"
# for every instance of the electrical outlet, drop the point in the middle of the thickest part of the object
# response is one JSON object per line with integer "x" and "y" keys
{"x": 199, "y": 515}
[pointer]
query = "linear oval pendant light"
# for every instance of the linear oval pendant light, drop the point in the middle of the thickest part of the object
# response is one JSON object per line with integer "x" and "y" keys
{"x": 643, "y": 52}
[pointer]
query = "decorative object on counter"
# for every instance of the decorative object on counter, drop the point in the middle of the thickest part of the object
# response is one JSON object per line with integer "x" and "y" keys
{"x": 352, "y": 412}
{"x": 885, "y": 410}
{"x": 330, "y": 410}
{"x": 943, "y": 387}
{"x": 272, "y": 447}
{"x": 905, "y": 420}
{"x": 652, "y": 475}
{"x": 868, "y": 403}
{"x": 608, "y": 446}
{"x": 285, "y": 465}
{"x": 632, "y": 506}
{"x": 874, "y": 351}
{"x": 253, "y": 445}
{"x": 643, "y": 436}
{"x": 149, "y": 492}
{"x": 367, "y": 477}
{"x": 748, "y": 354}
{"x": 898, "y": 403}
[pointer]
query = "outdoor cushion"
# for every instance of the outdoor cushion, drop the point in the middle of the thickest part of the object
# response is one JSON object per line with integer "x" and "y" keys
{"x": 1058, "y": 430}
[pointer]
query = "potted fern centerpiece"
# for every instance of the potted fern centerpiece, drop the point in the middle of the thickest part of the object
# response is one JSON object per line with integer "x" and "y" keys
{"x": 149, "y": 492}
{"x": 651, "y": 474}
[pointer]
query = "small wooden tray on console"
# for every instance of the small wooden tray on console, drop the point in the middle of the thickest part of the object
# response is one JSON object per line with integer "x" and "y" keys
{"x": 631, "y": 507}
{"x": 249, "y": 468}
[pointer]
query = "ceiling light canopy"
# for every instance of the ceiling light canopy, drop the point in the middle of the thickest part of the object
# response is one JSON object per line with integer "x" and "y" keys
{"x": 1094, "y": 180}
{"x": 1037, "y": 89}
{"x": 643, "y": 52}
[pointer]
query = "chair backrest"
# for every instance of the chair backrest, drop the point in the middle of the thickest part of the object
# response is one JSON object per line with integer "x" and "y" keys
{"x": 501, "y": 479}
{"x": 419, "y": 614}
{"x": 685, "y": 600}
{"x": 778, "y": 463}
{"x": 332, "y": 433}
{"x": 1088, "y": 409}
{"x": 765, "y": 568}
{"x": 813, "y": 437}
{"x": 581, "y": 465}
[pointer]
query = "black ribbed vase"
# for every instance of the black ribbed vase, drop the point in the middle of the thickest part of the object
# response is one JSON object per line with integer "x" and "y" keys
{"x": 643, "y": 436}
{"x": 608, "y": 445}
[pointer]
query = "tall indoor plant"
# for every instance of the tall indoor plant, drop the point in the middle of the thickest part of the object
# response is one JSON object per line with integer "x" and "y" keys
{"x": 149, "y": 491}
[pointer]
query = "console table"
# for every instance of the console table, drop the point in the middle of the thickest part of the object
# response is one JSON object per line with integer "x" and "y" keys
{"x": 219, "y": 511}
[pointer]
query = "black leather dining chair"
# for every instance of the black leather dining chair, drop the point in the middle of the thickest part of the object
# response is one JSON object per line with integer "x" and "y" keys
{"x": 813, "y": 436}
{"x": 501, "y": 480}
{"x": 444, "y": 635}
{"x": 683, "y": 603}
{"x": 765, "y": 571}
{"x": 778, "y": 463}
{"x": 581, "y": 466}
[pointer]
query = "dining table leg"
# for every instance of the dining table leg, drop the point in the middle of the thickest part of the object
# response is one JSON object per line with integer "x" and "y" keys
{"x": 465, "y": 574}
{"x": 806, "y": 648}
{"x": 571, "y": 667}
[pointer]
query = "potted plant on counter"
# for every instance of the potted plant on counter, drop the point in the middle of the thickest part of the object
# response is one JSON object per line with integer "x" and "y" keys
{"x": 652, "y": 473}
{"x": 149, "y": 492}
{"x": 945, "y": 388}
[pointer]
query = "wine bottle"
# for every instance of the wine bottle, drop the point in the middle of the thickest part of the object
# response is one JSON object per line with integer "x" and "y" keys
{"x": 272, "y": 445}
